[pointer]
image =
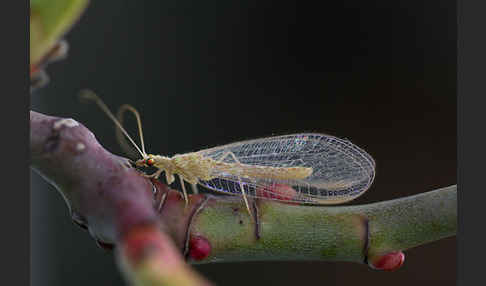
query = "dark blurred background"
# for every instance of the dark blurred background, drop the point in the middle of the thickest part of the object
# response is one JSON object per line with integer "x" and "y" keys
{"x": 206, "y": 73}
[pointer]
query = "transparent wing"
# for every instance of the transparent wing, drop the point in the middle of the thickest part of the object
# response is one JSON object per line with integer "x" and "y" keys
{"x": 341, "y": 171}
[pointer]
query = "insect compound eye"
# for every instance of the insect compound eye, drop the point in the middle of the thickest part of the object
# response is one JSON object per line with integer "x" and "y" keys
{"x": 150, "y": 162}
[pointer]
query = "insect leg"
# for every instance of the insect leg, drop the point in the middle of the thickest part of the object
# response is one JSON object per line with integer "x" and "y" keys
{"x": 155, "y": 175}
{"x": 244, "y": 197}
{"x": 229, "y": 153}
{"x": 194, "y": 189}
{"x": 183, "y": 189}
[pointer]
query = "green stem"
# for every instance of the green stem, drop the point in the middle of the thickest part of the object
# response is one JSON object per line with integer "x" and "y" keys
{"x": 339, "y": 233}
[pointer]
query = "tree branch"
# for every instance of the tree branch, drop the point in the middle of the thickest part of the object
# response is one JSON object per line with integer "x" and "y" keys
{"x": 118, "y": 206}
{"x": 109, "y": 198}
{"x": 339, "y": 233}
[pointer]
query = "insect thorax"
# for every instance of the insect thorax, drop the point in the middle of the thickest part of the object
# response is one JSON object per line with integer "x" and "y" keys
{"x": 192, "y": 166}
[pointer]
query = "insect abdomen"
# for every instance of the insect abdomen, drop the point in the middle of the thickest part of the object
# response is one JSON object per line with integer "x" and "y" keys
{"x": 266, "y": 172}
{"x": 279, "y": 173}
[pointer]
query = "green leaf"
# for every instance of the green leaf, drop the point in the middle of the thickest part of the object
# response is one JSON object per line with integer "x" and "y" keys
{"x": 49, "y": 21}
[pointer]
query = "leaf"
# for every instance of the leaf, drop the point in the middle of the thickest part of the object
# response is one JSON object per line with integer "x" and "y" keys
{"x": 49, "y": 21}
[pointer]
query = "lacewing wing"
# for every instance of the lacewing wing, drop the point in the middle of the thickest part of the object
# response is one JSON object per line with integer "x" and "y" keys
{"x": 341, "y": 171}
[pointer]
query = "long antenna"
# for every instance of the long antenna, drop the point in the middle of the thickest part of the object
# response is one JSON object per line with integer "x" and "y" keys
{"x": 128, "y": 107}
{"x": 90, "y": 95}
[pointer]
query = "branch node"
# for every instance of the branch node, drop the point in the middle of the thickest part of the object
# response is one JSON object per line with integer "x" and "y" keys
{"x": 366, "y": 240}
{"x": 257, "y": 218}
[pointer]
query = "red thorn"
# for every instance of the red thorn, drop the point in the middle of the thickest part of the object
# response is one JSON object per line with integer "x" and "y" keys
{"x": 199, "y": 248}
{"x": 388, "y": 262}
